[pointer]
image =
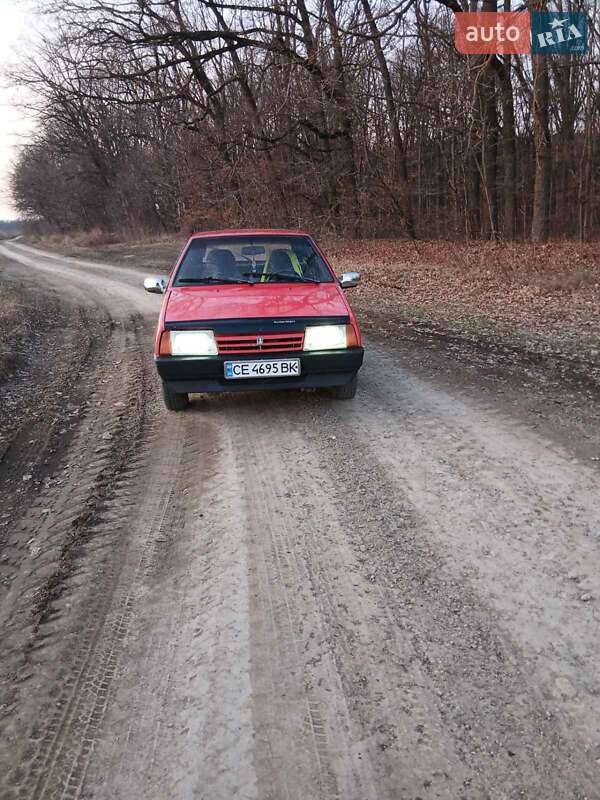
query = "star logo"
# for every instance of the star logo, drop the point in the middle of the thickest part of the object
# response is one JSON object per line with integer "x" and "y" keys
{"x": 558, "y": 32}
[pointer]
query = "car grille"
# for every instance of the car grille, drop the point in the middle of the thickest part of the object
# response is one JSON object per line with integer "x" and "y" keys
{"x": 260, "y": 343}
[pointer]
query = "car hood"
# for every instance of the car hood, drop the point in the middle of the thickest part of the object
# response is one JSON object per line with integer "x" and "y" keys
{"x": 196, "y": 303}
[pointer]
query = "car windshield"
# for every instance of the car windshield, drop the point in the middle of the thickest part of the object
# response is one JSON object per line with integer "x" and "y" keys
{"x": 251, "y": 259}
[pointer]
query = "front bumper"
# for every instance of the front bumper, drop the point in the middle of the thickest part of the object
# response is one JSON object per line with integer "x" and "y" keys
{"x": 189, "y": 374}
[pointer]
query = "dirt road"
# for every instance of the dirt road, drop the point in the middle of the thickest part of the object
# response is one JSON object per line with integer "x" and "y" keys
{"x": 286, "y": 596}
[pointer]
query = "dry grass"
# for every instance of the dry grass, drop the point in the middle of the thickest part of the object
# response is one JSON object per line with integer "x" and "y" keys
{"x": 93, "y": 238}
{"x": 138, "y": 249}
{"x": 96, "y": 237}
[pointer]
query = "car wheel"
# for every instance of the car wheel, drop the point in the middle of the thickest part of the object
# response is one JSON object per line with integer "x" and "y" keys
{"x": 347, "y": 391}
{"x": 175, "y": 401}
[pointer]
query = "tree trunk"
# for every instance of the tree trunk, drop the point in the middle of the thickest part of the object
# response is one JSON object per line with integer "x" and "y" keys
{"x": 540, "y": 224}
{"x": 340, "y": 96}
{"x": 563, "y": 73}
{"x": 400, "y": 165}
{"x": 509, "y": 147}
{"x": 586, "y": 162}
{"x": 489, "y": 149}
{"x": 488, "y": 114}
{"x": 331, "y": 189}
{"x": 472, "y": 165}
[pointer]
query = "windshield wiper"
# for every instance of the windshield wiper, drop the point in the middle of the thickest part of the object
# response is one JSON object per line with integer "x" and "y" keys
{"x": 290, "y": 278}
{"x": 212, "y": 279}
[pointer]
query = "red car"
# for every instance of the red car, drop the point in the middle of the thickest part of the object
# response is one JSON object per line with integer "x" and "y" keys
{"x": 255, "y": 309}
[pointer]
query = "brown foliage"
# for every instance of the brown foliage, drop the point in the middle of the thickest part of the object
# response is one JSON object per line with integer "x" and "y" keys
{"x": 518, "y": 282}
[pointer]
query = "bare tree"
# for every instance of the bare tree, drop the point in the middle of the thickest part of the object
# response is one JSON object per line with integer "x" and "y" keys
{"x": 357, "y": 117}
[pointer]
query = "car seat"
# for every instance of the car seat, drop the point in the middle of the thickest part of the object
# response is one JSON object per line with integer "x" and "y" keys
{"x": 221, "y": 264}
{"x": 284, "y": 263}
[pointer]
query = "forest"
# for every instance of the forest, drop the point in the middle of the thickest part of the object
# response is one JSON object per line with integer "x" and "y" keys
{"x": 353, "y": 117}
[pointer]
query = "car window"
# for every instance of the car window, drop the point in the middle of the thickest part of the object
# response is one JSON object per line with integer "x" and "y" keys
{"x": 254, "y": 259}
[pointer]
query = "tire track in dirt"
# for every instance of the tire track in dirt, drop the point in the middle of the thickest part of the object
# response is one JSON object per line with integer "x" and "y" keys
{"x": 440, "y": 695}
{"x": 29, "y": 437}
{"x": 285, "y": 706}
{"x": 69, "y": 553}
{"x": 62, "y": 767}
{"x": 216, "y": 703}
{"x": 178, "y": 724}
{"x": 54, "y": 605}
{"x": 518, "y": 725}
{"x": 105, "y": 435}
{"x": 363, "y": 691}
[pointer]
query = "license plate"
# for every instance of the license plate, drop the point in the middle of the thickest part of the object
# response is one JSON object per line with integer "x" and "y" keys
{"x": 289, "y": 368}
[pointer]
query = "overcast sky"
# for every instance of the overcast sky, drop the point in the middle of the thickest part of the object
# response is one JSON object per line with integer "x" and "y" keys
{"x": 16, "y": 22}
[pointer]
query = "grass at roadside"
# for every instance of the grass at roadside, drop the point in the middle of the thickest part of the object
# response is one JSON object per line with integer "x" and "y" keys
{"x": 144, "y": 252}
{"x": 543, "y": 299}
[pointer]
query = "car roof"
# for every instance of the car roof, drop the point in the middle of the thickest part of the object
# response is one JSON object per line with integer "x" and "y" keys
{"x": 250, "y": 232}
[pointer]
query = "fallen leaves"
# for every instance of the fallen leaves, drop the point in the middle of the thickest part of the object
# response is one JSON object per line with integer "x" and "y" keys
{"x": 554, "y": 288}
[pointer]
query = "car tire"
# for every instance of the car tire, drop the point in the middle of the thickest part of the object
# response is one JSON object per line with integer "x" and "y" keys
{"x": 347, "y": 391}
{"x": 175, "y": 401}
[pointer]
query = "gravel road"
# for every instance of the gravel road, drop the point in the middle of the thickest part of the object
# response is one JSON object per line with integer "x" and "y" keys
{"x": 284, "y": 595}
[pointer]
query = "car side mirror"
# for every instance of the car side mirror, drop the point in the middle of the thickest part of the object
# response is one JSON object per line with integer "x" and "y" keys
{"x": 349, "y": 279}
{"x": 155, "y": 285}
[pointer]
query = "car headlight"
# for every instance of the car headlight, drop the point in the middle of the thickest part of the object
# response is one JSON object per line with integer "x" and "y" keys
{"x": 193, "y": 343}
{"x": 325, "y": 337}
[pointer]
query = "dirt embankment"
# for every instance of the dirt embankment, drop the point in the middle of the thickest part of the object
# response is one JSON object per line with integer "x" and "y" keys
{"x": 16, "y": 316}
{"x": 45, "y": 342}
{"x": 49, "y": 346}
